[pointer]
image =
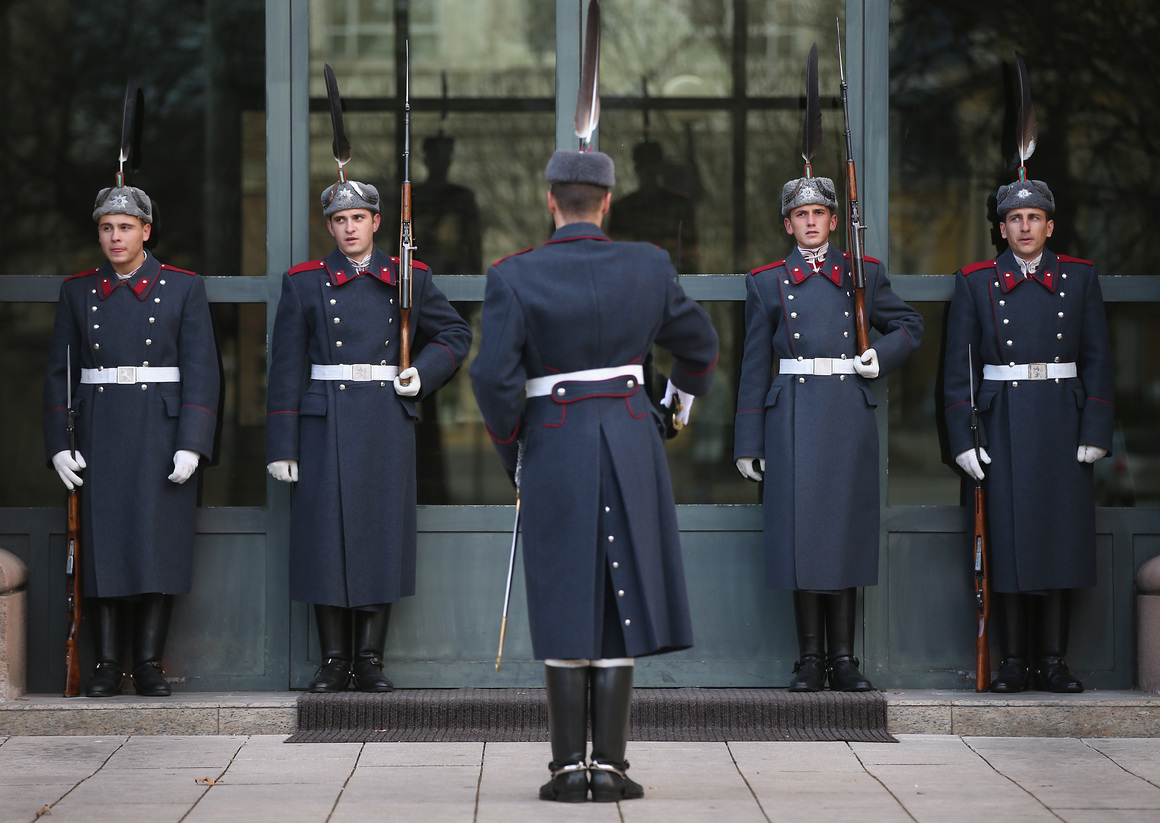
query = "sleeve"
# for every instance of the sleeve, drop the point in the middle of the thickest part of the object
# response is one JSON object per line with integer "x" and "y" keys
{"x": 899, "y": 324}
{"x": 448, "y": 337}
{"x": 756, "y": 379}
{"x": 288, "y": 354}
{"x": 962, "y": 375}
{"x": 1095, "y": 371}
{"x": 200, "y": 376}
{"x": 65, "y": 344}
{"x": 498, "y": 374}
{"x": 688, "y": 333}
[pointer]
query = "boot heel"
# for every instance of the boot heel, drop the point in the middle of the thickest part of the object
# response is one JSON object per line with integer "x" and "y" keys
{"x": 569, "y": 784}
{"x": 609, "y": 784}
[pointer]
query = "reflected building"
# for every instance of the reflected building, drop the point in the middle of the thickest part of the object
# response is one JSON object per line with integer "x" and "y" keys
{"x": 655, "y": 213}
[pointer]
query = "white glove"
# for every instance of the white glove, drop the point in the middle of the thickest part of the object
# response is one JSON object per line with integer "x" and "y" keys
{"x": 745, "y": 466}
{"x": 67, "y": 468}
{"x": 412, "y": 388}
{"x": 684, "y": 403}
{"x": 284, "y": 470}
{"x": 184, "y": 464}
{"x": 969, "y": 463}
{"x": 866, "y": 364}
{"x": 1088, "y": 454}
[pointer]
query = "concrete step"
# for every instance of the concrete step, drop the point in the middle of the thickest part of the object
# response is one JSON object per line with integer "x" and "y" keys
{"x": 909, "y": 711}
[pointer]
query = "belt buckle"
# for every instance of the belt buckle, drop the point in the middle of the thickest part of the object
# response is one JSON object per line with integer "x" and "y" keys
{"x": 360, "y": 372}
{"x": 126, "y": 374}
{"x": 1037, "y": 371}
{"x": 823, "y": 365}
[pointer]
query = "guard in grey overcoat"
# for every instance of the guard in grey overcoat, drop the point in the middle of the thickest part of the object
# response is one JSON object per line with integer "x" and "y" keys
{"x": 1035, "y": 326}
{"x": 349, "y": 432}
{"x": 602, "y": 557}
{"x": 805, "y": 409}
{"x": 138, "y": 339}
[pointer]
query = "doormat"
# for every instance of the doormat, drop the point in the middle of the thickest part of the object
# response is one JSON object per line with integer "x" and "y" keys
{"x": 520, "y": 715}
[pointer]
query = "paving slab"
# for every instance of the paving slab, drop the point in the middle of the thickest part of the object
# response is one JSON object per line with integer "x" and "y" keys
{"x": 1140, "y": 756}
{"x": 263, "y": 803}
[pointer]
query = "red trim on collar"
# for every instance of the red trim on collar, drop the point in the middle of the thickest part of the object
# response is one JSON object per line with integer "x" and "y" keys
{"x": 799, "y": 276}
{"x": 309, "y": 265}
{"x": 980, "y": 266}
{"x": 768, "y": 267}
{"x": 385, "y": 274}
{"x": 140, "y": 286}
{"x": 581, "y": 237}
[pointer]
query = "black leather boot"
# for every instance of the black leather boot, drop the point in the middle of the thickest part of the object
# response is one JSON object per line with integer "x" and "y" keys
{"x": 106, "y": 679}
{"x": 149, "y": 633}
{"x": 611, "y": 707}
{"x": 334, "y": 638}
{"x": 810, "y": 669}
{"x": 370, "y": 637}
{"x": 840, "y": 614}
{"x": 568, "y": 730}
{"x": 1012, "y": 676}
{"x": 1053, "y": 619}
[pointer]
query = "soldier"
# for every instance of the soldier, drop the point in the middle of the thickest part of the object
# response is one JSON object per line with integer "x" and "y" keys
{"x": 814, "y": 426}
{"x": 145, "y": 369}
{"x": 1035, "y": 320}
{"x": 348, "y": 438}
{"x": 571, "y": 322}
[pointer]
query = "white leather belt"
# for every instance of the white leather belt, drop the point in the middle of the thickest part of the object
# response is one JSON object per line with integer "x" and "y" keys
{"x": 541, "y": 386}
{"x": 1030, "y": 371}
{"x": 132, "y": 374}
{"x": 817, "y": 365}
{"x": 354, "y": 372}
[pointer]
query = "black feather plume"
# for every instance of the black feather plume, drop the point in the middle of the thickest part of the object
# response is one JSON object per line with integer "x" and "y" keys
{"x": 341, "y": 144}
{"x": 1026, "y": 124}
{"x": 588, "y": 98}
{"x": 812, "y": 127}
{"x": 127, "y": 129}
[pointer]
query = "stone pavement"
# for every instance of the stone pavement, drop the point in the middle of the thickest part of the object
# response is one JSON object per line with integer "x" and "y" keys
{"x": 937, "y": 778}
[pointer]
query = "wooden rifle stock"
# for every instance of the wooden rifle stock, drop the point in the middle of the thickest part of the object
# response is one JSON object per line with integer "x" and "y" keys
{"x": 72, "y": 658}
{"x": 982, "y": 593}
{"x": 406, "y": 248}
{"x": 854, "y": 221}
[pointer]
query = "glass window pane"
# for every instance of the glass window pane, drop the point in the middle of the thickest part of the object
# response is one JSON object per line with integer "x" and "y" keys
{"x": 202, "y": 69}
{"x": 952, "y": 135}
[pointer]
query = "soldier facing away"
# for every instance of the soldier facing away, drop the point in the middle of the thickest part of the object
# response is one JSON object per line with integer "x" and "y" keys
{"x": 347, "y": 440}
{"x": 139, "y": 340}
{"x": 570, "y": 324}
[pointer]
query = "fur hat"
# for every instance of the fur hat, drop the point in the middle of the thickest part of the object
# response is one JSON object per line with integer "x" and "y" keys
{"x": 123, "y": 200}
{"x": 1024, "y": 194}
{"x": 807, "y": 191}
{"x": 350, "y": 195}
{"x": 592, "y": 167}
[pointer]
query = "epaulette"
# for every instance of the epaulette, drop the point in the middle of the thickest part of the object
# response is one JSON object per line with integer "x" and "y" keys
{"x": 513, "y": 254}
{"x": 418, "y": 264}
{"x": 982, "y": 264}
{"x": 1063, "y": 258}
{"x": 309, "y": 265}
{"x": 873, "y": 260}
{"x": 768, "y": 267}
{"x": 167, "y": 267}
{"x": 83, "y": 274}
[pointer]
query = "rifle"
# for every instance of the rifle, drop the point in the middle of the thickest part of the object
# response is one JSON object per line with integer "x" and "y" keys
{"x": 982, "y": 583}
{"x": 72, "y": 566}
{"x": 406, "y": 238}
{"x": 855, "y": 229}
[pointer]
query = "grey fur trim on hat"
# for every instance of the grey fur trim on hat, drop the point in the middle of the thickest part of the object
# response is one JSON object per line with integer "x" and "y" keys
{"x": 806, "y": 191}
{"x": 350, "y": 195}
{"x": 592, "y": 167}
{"x": 1024, "y": 194}
{"x": 123, "y": 200}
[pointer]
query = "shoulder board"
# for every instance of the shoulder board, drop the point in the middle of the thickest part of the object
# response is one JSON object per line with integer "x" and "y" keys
{"x": 418, "y": 264}
{"x": 768, "y": 267}
{"x": 183, "y": 271}
{"x": 513, "y": 254}
{"x": 866, "y": 257}
{"x": 309, "y": 265}
{"x": 1063, "y": 258}
{"x": 982, "y": 264}
{"x": 83, "y": 273}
